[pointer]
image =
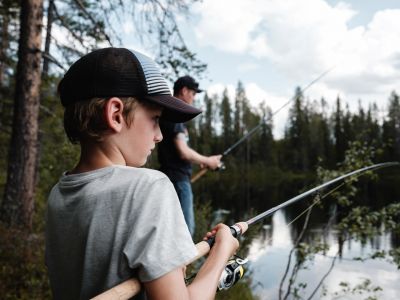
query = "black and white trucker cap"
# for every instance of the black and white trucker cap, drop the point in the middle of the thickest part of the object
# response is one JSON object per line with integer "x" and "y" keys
{"x": 119, "y": 72}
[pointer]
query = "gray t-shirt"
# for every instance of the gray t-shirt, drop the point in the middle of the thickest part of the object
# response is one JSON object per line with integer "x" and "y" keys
{"x": 112, "y": 224}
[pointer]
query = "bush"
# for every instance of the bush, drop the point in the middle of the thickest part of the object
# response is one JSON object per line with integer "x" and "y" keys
{"x": 23, "y": 273}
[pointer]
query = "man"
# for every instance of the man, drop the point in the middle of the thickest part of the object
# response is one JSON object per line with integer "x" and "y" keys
{"x": 176, "y": 156}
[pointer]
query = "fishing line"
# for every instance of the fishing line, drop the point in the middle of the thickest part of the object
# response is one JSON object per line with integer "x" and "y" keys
{"x": 263, "y": 121}
{"x": 326, "y": 195}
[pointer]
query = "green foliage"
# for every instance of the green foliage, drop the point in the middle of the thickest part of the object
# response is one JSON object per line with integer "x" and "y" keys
{"x": 203, "y": 213}
{"x": 360, "y": 289}
{"x": 395, "y": 254}
{"x": 23, "y": 273}
{"x": 357, "y": 156}
{"x": 355, "y": 222}
{"x": 306, "y": 251}
{"x": 363, "y": 223}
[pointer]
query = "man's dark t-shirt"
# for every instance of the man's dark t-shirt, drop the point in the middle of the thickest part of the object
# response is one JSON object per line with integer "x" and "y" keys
{"x": 172, "y": 165}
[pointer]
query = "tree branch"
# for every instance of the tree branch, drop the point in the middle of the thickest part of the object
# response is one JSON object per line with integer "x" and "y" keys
{"x": 82, "y": 7}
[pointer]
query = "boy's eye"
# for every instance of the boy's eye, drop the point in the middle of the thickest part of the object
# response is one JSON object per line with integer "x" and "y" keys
{"x": 156, "y": 119}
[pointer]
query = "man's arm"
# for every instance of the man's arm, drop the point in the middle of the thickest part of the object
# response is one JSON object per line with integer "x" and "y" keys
{"x": 187, "y": 153}
{"x": 171, "y": 286}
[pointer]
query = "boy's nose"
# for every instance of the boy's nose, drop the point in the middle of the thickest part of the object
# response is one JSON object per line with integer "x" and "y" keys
{"x": 158, "y": 136}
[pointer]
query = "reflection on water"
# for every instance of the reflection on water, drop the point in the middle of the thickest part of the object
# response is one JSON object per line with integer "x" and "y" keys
{"x": 268, "y": 255}
{"x": 272, "y": 242}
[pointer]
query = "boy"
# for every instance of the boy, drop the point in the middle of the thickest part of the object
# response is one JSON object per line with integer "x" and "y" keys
{"x": 107, "y": 219}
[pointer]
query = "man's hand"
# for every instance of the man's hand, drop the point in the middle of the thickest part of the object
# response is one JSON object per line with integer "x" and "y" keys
{"x": 212, "y": 162}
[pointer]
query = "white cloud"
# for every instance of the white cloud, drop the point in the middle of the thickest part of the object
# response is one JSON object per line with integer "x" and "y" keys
{"x": 235, "y": 18}
{"x": 128, "y": 27}
{"x": 309, "y": 35}
{"x": 247, "y": 66}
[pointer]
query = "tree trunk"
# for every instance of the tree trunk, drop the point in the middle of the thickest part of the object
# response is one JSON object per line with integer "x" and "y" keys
{"x": 3, "y": 47}
{"x": 50, "y": 19}
{"x": 18, "y": 202}
{"x": 3, "y": 58}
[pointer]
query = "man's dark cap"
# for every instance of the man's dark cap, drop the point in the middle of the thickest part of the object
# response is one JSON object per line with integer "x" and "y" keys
{"x": 119, "y": 72}
{"x": 186, "y": 81}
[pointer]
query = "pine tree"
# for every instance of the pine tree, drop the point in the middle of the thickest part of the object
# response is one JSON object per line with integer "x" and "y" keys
{"x": 238, "y": 114}
{"x": 338, "y": 132}
{"x": 297, "y": 134}
{"x": 319, "y": 135}
{"x": 373, "y": 130}
{"x": 206, "y": 125}
{"x": 265, "y": 142}
{"x": 18, "y": 202}
{"x": 391, "y": 128}
{"x": 359, "y": 125}
{"x": 226, "y": 120}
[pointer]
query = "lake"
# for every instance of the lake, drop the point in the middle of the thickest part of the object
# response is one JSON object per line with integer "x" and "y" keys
{"x": 268, "y": 256}
{"x": 344, "y": 269}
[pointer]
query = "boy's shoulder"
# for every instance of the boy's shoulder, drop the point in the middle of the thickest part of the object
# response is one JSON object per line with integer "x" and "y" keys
{"x": 144, "y": 173}
{"x": 115, "y": 177}
{"x": 141, "y": 174}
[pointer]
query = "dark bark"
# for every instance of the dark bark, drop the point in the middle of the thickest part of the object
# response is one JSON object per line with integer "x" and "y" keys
{"x": 50, "y": 20}
{"x": 18, "y": 202}
{"x": 4, "y": 42}
{"x": 3, "y": 47}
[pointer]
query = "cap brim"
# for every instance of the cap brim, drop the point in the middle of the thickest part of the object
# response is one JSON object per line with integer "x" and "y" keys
{"x": 175, "y": 110}
{"x": 199, "y": 90}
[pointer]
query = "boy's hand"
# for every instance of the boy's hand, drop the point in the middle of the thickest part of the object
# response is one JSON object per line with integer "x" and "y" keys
{"x": 223, "y": 238}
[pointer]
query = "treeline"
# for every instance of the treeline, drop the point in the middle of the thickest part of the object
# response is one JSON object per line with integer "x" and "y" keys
{"x": 315, "y": 134}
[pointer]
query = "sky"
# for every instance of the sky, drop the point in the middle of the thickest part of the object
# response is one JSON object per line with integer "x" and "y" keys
{"x": 273, "y": 46}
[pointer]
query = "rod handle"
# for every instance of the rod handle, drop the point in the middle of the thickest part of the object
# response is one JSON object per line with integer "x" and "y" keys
{"x": 203, "y": 171}
{"x": 199, "y": 174}
{"x": 131, "y": 287}
{"x": 237, "y": 230}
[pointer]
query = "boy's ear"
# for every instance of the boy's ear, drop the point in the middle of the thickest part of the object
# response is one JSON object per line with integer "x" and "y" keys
{"x": 113, "y": 114}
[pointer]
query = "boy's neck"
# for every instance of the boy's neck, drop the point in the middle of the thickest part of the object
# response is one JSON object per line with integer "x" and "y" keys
{"x": 93, "y": 157}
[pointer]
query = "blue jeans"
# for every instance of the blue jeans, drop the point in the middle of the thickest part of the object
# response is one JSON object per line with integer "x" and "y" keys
{"x": 185, "y": 195}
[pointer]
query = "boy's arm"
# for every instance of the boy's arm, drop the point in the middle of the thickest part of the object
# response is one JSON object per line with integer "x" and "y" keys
{"x": 172, "y": 285}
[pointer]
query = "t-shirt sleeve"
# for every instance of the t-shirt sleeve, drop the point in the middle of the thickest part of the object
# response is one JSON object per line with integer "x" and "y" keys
{"x": 170, "y": 130}
{"x": 161, "y": 241}
{"x": 179, "y": 128}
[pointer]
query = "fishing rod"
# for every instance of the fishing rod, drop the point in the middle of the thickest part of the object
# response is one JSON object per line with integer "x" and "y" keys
{"x": 131, "y": 287}
{"x": 263, "y": 121}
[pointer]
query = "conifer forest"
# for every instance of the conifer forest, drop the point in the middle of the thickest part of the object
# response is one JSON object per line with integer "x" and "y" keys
{"x": 319, "y": 142}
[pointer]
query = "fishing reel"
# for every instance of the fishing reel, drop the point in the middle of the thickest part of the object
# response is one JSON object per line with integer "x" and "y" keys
{"x": 221, "y": 166}
{"x": 233, "y": 271}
